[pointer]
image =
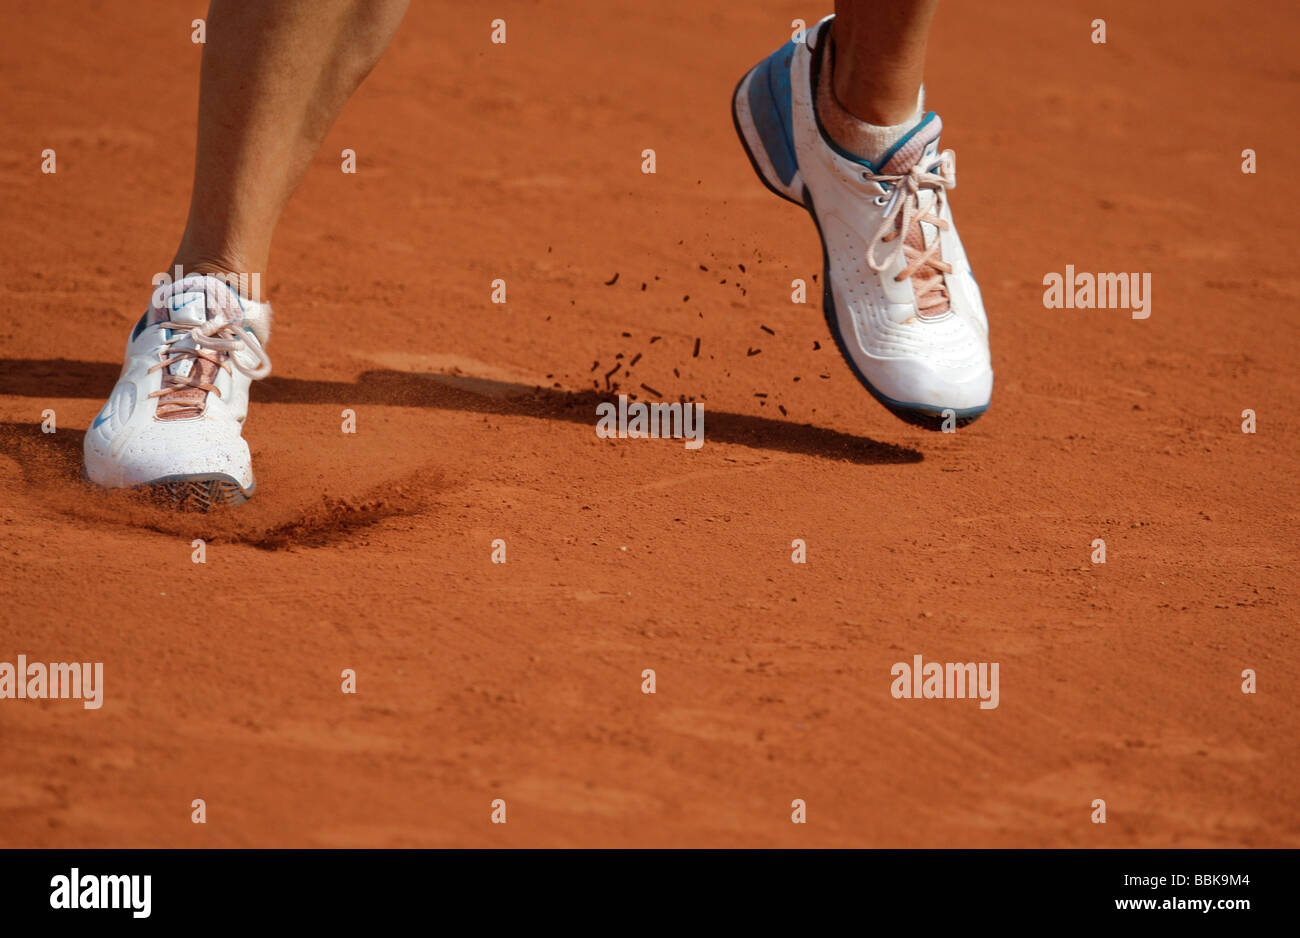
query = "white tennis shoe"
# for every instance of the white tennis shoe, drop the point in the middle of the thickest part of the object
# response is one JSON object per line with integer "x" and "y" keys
{"x": 899, "y": 295}
{"x": 174, "y": 421}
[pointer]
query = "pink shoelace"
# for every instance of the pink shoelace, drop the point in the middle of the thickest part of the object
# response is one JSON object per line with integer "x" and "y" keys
{"x": 212, "y": 346}
{"x": 901, "y": 226}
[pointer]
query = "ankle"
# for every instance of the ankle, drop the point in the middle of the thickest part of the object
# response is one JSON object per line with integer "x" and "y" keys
{"x": 865, "y": 139}
{"x": 876, "y": 74}
{"x": 247, "y": 280}
{"x": 876, "y": 106}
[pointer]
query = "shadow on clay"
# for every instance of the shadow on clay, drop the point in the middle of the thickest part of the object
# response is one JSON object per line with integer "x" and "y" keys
{"x": 54, "y": 378}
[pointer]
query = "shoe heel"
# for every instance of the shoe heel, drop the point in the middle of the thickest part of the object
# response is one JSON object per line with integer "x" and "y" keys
{"x": 760, "y": 109}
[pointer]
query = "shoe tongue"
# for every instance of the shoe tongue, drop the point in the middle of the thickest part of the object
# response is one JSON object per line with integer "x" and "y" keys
{"x": 196, "y": 299}
{"x": 919, "y": 145}
{"x": 188, "y": 308}
{"x": 192, "y": 301}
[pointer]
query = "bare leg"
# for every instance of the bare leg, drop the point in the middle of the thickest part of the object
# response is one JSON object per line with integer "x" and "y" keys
{"x": 880, "y": 56}
{"x": 275, "y": 75}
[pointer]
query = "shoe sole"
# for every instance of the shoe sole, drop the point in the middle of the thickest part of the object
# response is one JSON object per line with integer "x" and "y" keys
{"x": 201, "y": 492}
{"x": 926, "y": 416}
{"x": 194, "y": 491}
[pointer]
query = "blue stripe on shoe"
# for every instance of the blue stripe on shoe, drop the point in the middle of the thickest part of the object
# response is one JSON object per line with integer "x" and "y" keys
{"x": 139, "y": 327}
{"x": 770, "y": 109}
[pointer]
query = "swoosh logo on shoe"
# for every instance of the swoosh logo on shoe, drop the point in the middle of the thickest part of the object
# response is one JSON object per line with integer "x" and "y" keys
{"x": 100, "y": 419}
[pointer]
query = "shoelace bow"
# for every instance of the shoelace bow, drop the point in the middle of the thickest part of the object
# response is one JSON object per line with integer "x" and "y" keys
{"x": 905, "y": 202}
{"x": 215, "y": 341}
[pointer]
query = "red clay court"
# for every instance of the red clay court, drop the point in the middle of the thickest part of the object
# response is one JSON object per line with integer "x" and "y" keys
{"x": 475, "y": 422}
